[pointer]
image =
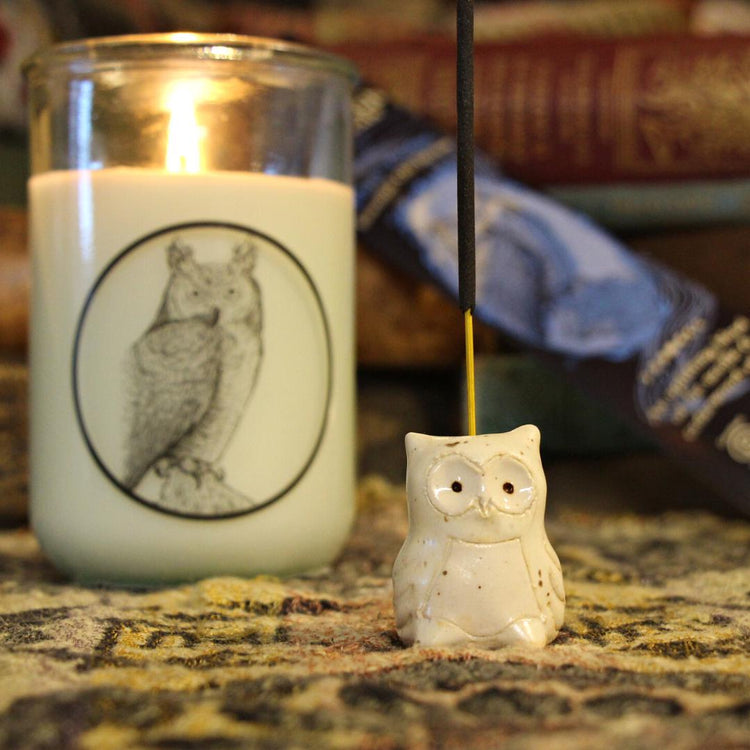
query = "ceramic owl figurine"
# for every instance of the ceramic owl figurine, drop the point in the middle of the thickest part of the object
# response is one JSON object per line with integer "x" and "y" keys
{"x": 476, "y": 566}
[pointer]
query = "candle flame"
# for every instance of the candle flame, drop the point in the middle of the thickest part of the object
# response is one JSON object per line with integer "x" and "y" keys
{"x": 184, "y": 138}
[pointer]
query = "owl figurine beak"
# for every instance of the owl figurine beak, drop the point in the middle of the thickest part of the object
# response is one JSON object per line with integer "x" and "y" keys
{"x": 485, "y": 504}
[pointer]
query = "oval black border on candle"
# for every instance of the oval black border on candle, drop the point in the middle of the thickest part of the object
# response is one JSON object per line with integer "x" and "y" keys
{"x": 75, "y": 379}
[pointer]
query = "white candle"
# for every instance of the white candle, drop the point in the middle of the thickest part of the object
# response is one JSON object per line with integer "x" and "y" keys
{"x": 272, "y": 490}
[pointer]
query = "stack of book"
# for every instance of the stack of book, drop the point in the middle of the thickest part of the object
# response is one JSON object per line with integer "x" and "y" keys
{"x": 633, "y": 112}
{"x": 640, "y": 133}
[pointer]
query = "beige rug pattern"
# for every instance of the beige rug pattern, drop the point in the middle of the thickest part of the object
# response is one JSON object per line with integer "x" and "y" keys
{"x": 655, "y": 652}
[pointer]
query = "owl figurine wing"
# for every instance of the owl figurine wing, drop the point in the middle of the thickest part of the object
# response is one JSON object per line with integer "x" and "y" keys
{"x": 413, "y": 576}
{"x": 557, "y": 595}
{"x": 545, "y": 572}
{"x": 174, "y": 373}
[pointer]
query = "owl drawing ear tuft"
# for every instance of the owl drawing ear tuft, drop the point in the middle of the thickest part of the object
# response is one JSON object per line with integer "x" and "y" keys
{"x": 179, "y": 254}
{"x": 244, "y": 257}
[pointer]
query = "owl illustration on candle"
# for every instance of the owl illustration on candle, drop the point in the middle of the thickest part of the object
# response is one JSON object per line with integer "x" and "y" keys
{"x": 476, "y": 566}
{"x": 191, "y": 376}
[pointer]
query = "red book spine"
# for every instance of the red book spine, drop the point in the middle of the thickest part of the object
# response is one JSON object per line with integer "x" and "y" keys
{"x": 577, "y": 110}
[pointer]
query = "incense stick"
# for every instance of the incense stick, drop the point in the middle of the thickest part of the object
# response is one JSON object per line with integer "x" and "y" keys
{"x": 465, "y": 193}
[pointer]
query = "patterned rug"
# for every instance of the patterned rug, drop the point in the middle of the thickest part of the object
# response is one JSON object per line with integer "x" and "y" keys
{"x": 655, "y": 651}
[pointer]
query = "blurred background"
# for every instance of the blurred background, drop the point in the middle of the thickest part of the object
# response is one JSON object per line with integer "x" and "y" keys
{"x": 654, "y": 145}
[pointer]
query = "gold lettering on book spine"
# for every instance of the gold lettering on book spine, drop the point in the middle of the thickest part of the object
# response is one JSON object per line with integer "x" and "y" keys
{"x": 709, "y": 378}
{"x": 685, "y": 113}
{"x": 391, "y": 187}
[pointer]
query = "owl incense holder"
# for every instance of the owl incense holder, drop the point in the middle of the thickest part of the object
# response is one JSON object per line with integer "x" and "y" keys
{"x": 476, "y": 566}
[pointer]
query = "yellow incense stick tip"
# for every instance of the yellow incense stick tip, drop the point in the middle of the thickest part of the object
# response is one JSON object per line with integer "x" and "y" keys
{"x": 471, "y": 401}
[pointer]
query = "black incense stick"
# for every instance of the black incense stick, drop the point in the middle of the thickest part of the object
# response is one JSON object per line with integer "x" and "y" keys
{"x": 465, "y": 149}
{"x": 465, "y": 193}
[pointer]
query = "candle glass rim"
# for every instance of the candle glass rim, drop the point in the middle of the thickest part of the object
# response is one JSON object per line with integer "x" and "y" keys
{"x": 189, "y": 47}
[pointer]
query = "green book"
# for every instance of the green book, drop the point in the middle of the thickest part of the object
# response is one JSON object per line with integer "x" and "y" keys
{"x": 516, "y": 389}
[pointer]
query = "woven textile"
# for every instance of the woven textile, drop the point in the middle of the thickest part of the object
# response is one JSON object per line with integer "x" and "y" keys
{"x": 655, "y": 651}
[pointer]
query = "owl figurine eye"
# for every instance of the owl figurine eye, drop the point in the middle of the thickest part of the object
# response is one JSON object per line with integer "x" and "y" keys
{"x": 515, "y": 483}
{"x": 453, "y": 484}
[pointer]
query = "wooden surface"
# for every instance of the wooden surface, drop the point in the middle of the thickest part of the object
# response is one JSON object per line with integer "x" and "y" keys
{"x": 408, "y": 323}
{"x": 13, "y": 442}
{"x": 14, "y": 280}
{"x": 718, "y": 257}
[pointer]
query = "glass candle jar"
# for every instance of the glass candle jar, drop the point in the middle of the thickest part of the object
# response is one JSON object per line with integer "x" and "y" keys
{"x": 192, "y": 365}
